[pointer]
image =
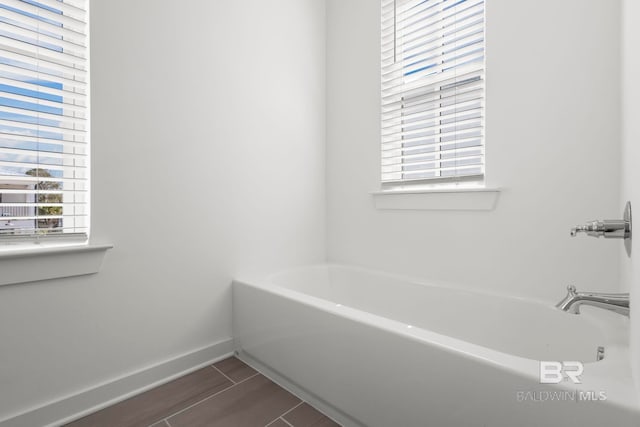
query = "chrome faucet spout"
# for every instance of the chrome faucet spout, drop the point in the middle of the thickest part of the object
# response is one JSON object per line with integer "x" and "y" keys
{"x": 572, "y": 302}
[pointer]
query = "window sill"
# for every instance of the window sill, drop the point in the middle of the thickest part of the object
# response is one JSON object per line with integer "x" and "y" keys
{"x": 470, "y": 199}
{"x": 26, "y": 264}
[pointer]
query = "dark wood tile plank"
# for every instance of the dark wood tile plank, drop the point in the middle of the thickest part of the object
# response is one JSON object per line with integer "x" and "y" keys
{"x": 279, "y": 423}
{"x": 254, "y": 402}
{"x": 306, "y": 415}
{"x": 235, "y": 369}
{"x": 158, "y": 403}
{"x": 326, "y": 422}
{"x": 303, "y": 415}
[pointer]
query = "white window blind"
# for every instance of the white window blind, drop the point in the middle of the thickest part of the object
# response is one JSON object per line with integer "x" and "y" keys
{"x": 432, "y": 90}
{"x": 43, "y": 118}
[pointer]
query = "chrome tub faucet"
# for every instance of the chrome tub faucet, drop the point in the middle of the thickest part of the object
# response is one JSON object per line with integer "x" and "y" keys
{"x": 618, "y": 303}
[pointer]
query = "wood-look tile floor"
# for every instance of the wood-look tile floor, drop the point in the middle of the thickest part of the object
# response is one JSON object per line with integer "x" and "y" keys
{"x": 225, "y": 394}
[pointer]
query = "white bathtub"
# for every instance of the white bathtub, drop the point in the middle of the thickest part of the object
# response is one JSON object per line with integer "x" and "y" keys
{"x": 379, "y": 350}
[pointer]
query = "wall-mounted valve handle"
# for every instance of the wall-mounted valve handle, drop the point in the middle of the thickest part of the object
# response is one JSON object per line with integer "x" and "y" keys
{"x": 608, "y": 228}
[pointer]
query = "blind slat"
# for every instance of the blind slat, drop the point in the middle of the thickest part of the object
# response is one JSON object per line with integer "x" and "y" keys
{"x": 432, "y": 146}
{"x": 31, "y": 13}
{"x": 42, "y": 55}
{"x": 435, "y": 126}
{"x": 19, "y": 180}
{"x": 424, "y": 117}
{"x": 28, "y": 103}
{"x": 34, "y": 36}
{"x": 74, "y": 170}
{"x": 48, "y": 131}
{"x": 9, "y": 16}
{"x": 34, "y": 90}
{"x": 440, "y": 78}
{"x": 436, "y": 22}
{"x": 9, "y": 134}
{"x": 28, "y": 113}
{"x": 408, "y": 155}
{"x": 44, "y": 156}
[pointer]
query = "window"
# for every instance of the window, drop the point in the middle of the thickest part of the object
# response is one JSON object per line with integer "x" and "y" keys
{"x": 44, "y": 143}
{"x": 432, "y": 66}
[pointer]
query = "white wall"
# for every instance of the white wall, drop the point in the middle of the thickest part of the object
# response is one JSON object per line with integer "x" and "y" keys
{"x": 552, "y": 144}
{"x": 208, "y": 161}
{"x": 631, "y": 160}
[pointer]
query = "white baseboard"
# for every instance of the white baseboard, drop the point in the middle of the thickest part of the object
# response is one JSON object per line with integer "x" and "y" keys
{"x": 340, "y": 417}
{"x": 70, "y": 408}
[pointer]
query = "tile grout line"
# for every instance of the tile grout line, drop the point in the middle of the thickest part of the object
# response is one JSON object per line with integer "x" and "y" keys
{"x": 280, "y": 419}
{"x": 286, "y": 412}
{"x": 223, "y": 374}
{"x": 160, "y": 423}
{"x": 209, "y": 397}
{"x": 286, "y": 422}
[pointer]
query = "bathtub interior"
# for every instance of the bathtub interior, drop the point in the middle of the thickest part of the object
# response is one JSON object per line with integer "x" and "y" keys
{"x": 515, "y": 326}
